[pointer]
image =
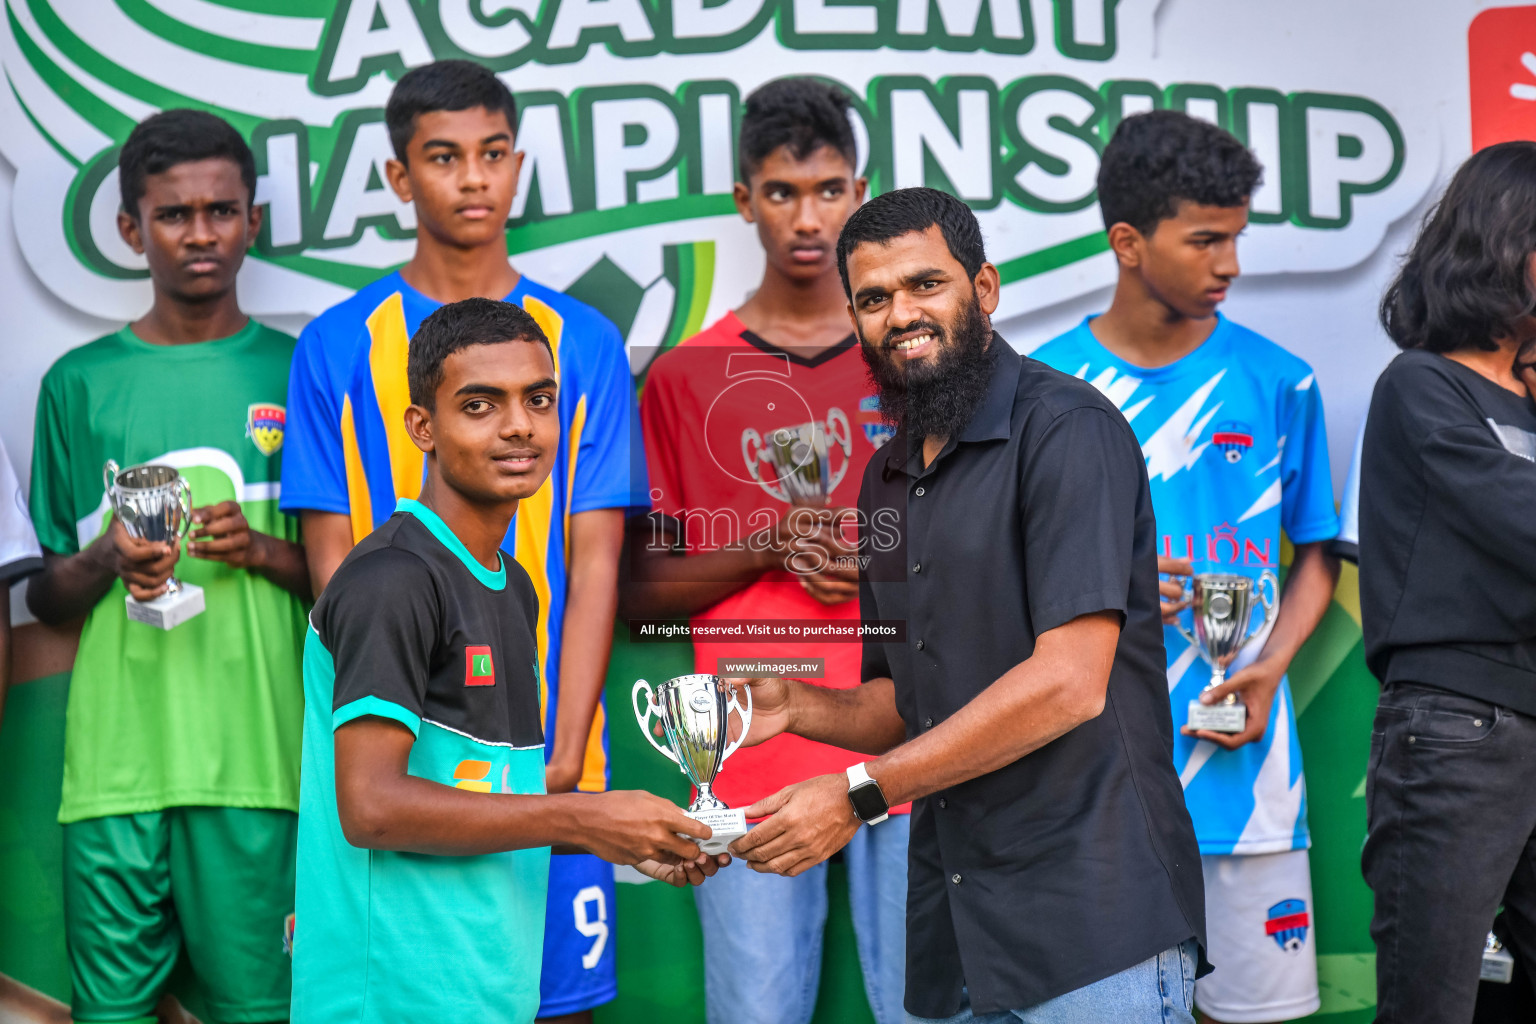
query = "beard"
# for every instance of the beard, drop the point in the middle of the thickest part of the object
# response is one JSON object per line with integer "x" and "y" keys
{"x": 937, "y": 397}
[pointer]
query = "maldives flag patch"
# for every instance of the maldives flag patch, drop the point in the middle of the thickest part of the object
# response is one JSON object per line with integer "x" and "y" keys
{"x": 478, "y": 669}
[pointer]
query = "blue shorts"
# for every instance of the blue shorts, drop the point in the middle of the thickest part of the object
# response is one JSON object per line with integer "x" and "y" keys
{"x": 579, "y": 971}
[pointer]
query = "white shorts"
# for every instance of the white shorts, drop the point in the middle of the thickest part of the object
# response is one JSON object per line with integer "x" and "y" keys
{"x": 1258, "y": 921}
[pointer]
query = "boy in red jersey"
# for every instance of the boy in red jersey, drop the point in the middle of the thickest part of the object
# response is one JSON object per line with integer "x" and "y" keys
{"x": 721, "y": 542}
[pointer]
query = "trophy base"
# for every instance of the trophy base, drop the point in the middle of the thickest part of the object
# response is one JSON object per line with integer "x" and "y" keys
{"x": 728, "y": 826}
{"x": 1498, "y": 966}
{"x": 1217, "y": 717}
{"x": 168, "y": 610}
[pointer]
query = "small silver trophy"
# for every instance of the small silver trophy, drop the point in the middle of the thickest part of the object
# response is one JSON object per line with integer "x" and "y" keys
{"x": 799, "y": 459}
{"x": 1222, "y": 608}
{"x": 694, "y": 711}
{"x": 1498, "y": 962}
{"x": 155, "y": 503}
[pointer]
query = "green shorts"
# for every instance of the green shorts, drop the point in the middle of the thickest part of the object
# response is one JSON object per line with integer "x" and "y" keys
{"x": 137, "y": 887}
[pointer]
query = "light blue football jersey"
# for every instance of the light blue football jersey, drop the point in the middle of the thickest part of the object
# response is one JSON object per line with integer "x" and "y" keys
{"x": 1236, "y": 451}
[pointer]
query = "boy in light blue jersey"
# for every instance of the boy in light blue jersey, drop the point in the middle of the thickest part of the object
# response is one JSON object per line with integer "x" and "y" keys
{"x": 1232, "y": 429}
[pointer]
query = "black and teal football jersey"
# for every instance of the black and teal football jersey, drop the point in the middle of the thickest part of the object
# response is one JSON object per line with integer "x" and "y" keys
{"x": 413, "y": 629}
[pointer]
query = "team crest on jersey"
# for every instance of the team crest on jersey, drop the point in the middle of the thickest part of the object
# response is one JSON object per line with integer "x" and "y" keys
{"x": 1287, "y": 924}
{"x": 264, "y": 423}
{"x": 876, "y": 430}
{"x": 1233, "y": 439}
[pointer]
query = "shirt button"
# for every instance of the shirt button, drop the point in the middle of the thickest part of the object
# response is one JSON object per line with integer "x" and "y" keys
{"x": 921, "y": 645}
{"x": 920, "y": 492}
{"x": 917, "y": 566}
{"x": 955, "y": 878}
{"x": 943, "y": 803}
{"x": 927, "y": 723}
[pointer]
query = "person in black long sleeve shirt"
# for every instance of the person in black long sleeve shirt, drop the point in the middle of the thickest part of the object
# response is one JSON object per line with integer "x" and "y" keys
{"x": 1448, "y": 596}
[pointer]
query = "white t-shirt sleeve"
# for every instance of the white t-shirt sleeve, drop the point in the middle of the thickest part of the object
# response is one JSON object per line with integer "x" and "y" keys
{"x": 20, "y": 554}
{"x": 1347, "y": 544}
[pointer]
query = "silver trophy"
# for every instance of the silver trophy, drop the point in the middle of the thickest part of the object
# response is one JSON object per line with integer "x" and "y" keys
{"x": 1222, "y": 607}
{"x": 694, "y": 711}
{"x": 155, "y": 503}
{"x": 799, "y": 459}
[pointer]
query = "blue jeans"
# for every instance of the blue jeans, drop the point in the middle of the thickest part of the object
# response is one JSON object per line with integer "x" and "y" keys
{"x": 762, "y": 933}
{"x": 1160, "y": 990}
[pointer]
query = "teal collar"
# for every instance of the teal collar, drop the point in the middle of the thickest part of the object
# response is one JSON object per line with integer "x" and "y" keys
{"x": 432, "y": 521}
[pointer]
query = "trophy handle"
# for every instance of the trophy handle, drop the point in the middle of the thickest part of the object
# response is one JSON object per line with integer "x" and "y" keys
{"x": 183, "y": 502}
{"x": 643, "y": 716}
{"x": 732, "y": 704}
{"x": 751, "y": 453}
{"x": 1189, "y": 589}
{"x": 1273, "y": 599}
{"x": 109, "y": 481}
{"x": 836, "y": 419}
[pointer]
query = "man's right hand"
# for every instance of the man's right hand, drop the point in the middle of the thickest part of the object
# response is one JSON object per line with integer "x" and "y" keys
{"x": 800, "y": 539}
{"x": 827, "y": 561}
{"x": 142, "y": 565}
{"x": 1171, "y": 591}
{"x": 630, "y": 826}
{"x": 770, "y": 710}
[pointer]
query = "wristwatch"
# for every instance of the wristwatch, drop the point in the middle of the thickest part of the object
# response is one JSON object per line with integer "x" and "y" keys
{"x": 869, "y": 803}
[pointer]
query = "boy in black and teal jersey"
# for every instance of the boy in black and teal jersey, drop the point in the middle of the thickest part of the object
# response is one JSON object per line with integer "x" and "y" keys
{"x": 424, "y": 831}
{"x": 181, "y": 746}
{"x": 453, "y": 125}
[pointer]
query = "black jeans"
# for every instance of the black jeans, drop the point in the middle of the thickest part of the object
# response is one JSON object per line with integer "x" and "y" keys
{"x": 1451, "y": 800}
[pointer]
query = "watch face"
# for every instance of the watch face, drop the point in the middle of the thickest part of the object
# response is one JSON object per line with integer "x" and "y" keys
{"x": 868, "y": 802}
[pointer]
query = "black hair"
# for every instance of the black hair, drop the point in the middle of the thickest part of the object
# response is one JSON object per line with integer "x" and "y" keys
{"x": 913, "y": 209}
{"x": 181, "y": 136}
{"x": 1161, "y": 157}
{"x": 457, "y": 326}
{"x": 444, "y": 85}
{"x": 1466, "y": 281}
{"x": 804, "y": 114}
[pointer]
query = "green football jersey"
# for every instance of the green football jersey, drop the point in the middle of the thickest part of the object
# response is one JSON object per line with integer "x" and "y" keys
{"x": 210, "y": 712}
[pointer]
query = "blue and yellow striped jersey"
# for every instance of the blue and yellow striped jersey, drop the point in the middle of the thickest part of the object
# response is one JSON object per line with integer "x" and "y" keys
{"x": 347, "y": 452}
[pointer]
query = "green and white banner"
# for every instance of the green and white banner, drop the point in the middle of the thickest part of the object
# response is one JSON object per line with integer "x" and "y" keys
{"x": 629, "y": 116}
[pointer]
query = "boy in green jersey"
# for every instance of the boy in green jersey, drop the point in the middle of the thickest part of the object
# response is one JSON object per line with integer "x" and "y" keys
{"x": 424, "y": 828}
{"x": 181, "y": 756}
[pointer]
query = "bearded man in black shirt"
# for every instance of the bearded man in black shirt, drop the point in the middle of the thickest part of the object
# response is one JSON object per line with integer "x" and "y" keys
{"x": 1053, "y": 871}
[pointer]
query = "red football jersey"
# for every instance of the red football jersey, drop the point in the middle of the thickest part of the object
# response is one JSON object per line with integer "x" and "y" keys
{"x": 708, "y": 412}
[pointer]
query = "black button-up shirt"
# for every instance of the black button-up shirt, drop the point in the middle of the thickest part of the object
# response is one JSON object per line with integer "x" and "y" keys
{"x": 1078, "y": 860}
